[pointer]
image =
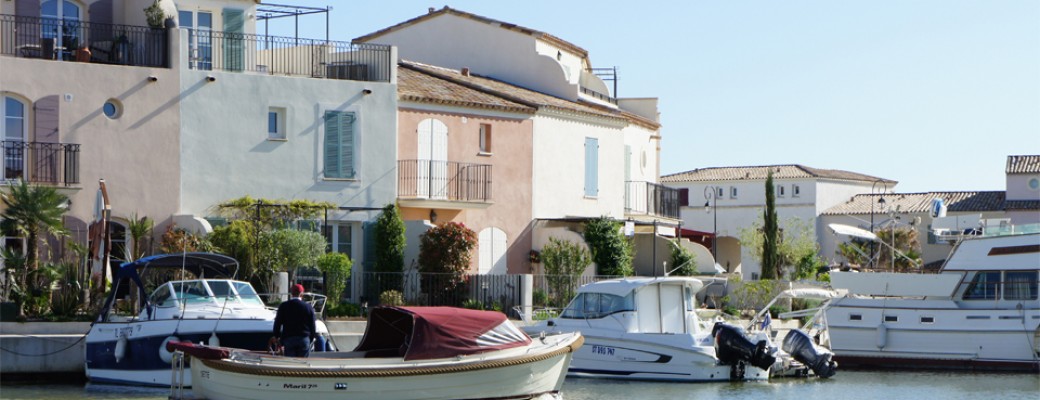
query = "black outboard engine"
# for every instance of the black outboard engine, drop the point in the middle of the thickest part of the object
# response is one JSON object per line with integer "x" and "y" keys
{"x": 800, "y": 346}
{"x": 733, "y": 348}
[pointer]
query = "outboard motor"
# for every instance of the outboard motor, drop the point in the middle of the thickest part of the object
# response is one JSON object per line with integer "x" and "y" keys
{"x": 800, "y": 346}
{"x": 733, "y": 348}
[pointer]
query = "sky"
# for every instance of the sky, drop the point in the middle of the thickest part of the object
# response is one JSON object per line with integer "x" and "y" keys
{"x": 934, "y": 94}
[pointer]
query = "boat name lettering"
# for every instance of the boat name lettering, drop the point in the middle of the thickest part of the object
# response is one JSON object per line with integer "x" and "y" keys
{"x": 299, "y": 386}
{"x": 604, "y": 350}
{"x": 128, "y": 331}
{"x": 341, "y": 386}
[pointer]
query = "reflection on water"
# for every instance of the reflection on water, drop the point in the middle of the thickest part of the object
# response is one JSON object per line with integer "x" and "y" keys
{"x": 845, "y": 385}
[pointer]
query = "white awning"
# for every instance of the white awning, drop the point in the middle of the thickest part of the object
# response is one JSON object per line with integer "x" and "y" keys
{"x": 853, "y": 231}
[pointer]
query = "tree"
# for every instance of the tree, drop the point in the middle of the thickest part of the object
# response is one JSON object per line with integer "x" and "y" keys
{"x": 33, "y": 211}
{"x": 389, "y": 232}
{"x": 770, "y": 232}
{"x": 907, "y": 250}
{"x": 237, "y": 239}
{"x": 564, "y": 261}
{"x": 797, "y": 250}
{"x": 336, "y": 268}
{"x": 445, "y": 249}
{"x": 292, "y": 249}
{"x": 610, "y": 249}
{"x": 684, "y": 262}
{"x": 139, "y": 229}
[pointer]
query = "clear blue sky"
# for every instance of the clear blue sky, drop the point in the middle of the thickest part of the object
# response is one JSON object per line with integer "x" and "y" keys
{"x": 932, "y": 93}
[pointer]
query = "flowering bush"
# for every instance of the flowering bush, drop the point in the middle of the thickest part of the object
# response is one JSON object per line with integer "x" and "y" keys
{"x": 445, "y": 250}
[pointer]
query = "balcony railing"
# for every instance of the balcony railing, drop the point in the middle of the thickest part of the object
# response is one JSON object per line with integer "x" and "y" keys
{"x": 650, "y": 198}
{"x": 599, "y": 95}
{"x": 443, "y": 180}
{"x": 64, "y": 39}
{"x": 37, "y": 162}
{"x": 275, "y": 55}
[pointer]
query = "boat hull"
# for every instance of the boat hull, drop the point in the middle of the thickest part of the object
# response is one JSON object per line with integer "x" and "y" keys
{"x": 634, "y": 359}
{"x": 521, "y": 375}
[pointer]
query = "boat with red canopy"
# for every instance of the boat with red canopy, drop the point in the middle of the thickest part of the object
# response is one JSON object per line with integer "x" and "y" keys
{"x": 406, "y": 353}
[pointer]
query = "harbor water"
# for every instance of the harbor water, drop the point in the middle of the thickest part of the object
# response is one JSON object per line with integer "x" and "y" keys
{"x": 887, "y": 385}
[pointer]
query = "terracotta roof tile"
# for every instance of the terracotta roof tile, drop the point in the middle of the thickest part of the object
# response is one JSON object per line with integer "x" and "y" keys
{"x": 922, "y": 202}
{"x": 1022, "y": 205}
{"x": 1023, "y": 164}
{"x": 761, "y": 172}
{"x": 414, "y": 85}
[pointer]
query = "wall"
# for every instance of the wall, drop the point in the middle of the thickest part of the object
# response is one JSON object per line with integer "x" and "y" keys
{"x": 559, "y": 169}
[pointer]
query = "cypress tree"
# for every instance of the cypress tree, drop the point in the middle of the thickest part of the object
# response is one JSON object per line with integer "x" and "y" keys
{"x": 770, "y": 250}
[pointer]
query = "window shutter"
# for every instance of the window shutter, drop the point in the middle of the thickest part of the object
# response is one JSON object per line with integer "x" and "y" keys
{"x": 684, "y": 197}
{"x": 332, "y": 150}
{"x": 46, "y": 110}
{"x": 339, "y": 144}
{"x": 347, "y": 148}
{"x": 234, "y": 45}
{"x": 591, "y": 167}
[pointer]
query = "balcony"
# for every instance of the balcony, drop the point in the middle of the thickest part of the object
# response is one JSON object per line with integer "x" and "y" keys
{"x": 443, "y": 184}
{"x": 62, "y": 40}
{"x": 41, "y": 163}
{"x": 651, "y": 199}
{"x": 275, "y": 55}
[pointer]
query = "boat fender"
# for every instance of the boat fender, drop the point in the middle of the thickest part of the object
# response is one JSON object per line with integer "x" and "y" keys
{"x": 214, "y": 341}
{"x": 120, "y": 351}
{"x": 166, "y": 355}
{"x": 882, "y": 336}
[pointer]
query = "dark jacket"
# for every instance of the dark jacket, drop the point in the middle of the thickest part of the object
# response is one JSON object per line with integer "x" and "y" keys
{"x": 295, "y": 317}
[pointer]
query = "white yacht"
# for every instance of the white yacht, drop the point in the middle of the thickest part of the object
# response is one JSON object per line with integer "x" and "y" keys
{"x": 647, "y": 329}
{"x": 981, "y": 311}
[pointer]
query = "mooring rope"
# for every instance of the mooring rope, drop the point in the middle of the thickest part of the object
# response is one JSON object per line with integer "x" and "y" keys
{"x": 44, "y": 354}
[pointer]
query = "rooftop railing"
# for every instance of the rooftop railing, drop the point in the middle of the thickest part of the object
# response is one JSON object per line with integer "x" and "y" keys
{"x": 276, "y": 55}
{"x": 38, "y": 162}
{"x": 73, "y": 40}
{"x": 598, "y": 95}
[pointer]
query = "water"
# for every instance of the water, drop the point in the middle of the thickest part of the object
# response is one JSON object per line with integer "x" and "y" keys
{"x": 847, "y": 385}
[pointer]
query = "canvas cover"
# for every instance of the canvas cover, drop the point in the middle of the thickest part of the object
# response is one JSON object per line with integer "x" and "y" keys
{"x": 422, "y": 333}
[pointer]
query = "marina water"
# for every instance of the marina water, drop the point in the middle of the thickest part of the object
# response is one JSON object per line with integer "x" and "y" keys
{"x": 887, "y": 385}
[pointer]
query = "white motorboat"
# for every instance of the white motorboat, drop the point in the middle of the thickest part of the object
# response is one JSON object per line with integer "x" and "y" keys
{"x": 805, "y": 350}
{"x": 981, "y": 311}
{"x": 123, "y": 348}
{"x": 406, "y": 353}
{"x": 648, "y": 329}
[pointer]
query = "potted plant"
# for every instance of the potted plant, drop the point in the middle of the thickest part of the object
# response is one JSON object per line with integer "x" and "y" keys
{"x": 155, "y": 15}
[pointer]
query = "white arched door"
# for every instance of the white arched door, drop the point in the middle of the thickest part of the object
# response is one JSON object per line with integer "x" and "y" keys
{"x": 491, "y": 243}
{"x": 433, "y": 159}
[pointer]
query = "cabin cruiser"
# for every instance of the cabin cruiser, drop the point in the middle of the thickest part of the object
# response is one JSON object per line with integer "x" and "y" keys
{"x": 648, "y": 329}
{"x": 981, "y": 311}
{"x": 406, "y": 353}
{"x": 127, "y": 348}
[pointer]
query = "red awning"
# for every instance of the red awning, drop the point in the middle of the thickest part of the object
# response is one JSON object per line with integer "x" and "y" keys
{"x": 421, "y": 333}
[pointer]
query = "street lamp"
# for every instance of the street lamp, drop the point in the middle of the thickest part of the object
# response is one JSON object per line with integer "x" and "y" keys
{"x": 711, "y": 194}
{"x": 881, "y": 203}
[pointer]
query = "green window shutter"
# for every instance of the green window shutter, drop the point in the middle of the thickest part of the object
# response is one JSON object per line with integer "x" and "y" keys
{"x": 234, "y": 43}
{"x": 339, "y": 144}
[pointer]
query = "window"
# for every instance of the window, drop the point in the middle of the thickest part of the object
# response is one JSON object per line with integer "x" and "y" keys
{"x": 1034, "y": 184}
{"x": 732, "y": 192}
{"x": 60, "y": 23}
{"x": 855, "y": 317}
{"x": 779, "y": 190}
{"x": 485, "y": 139}
{"x": 795, "y": 190}
{"x": 927, "y": 320}
{"x": 720, "y": 192}
{"x": 200, "y": 46}
{"x": 343, "y": 239}
{"x": 117, "y": 235}
{"x": 339, "y": 145}
{"x": 598, "y": 305}
{"x": 684, "y": 197}
{"x": 14, "y": 132}
{"x": 1020, "y": 285}
{"x": 591, "y": 167}
{"x": 891, "y": 318}
{"x": 276, "y": 123}
{"x": 113, "y": 109}
{"x": 984, "y": 286}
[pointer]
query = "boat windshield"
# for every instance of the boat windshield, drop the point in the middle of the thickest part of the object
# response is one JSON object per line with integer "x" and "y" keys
{"x": 191, "y": 292}
{"x": 598, "y": 305}
{"x": 247, "y": 294}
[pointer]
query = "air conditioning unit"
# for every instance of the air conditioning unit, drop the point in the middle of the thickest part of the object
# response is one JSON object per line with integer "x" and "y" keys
{"x": 348, "y": 71}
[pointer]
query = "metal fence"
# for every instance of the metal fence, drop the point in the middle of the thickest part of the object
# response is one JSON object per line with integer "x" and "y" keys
{"x": 276, "y": 55}
{"x": 444, "y": 180}
{"x": 37, "y": 162}
{"x": 652, "y": 199}
{"x": 73, "y": 40}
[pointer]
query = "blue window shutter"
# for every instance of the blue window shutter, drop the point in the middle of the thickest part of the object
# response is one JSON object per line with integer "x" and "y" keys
{"x": 591, "y": 167}
{"x": 339, "y": 144}
{"x": 234, "y": 43}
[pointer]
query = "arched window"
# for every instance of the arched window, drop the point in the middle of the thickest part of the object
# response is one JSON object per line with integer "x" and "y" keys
{"x": 14, "y": 129}
{"x": 61, "y": 22}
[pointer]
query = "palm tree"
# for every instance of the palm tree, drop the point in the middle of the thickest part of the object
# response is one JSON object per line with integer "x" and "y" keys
{"x": 33, "y": 211}
{"x": 139, "y": 229}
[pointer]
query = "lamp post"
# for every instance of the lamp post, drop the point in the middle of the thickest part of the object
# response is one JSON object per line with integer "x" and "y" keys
{"x": 881, "y": 203}
{"x": 711, "y": 194}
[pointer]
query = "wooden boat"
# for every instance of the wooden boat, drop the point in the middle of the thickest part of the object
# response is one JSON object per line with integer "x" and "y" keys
{"x": 406, "y": 353}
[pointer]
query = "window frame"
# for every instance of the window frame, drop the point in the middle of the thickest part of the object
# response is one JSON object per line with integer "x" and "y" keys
{"x": 279, "y": 114}
{"x": 484, "y": 139}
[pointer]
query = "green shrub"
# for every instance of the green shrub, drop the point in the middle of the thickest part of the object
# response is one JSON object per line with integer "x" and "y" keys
{"x": 391, "y": 298}
{"x": 344, "y": 309}
{"x": 610, "y": 249}
{"x": 473, "y": 304}
{"x": 539, "y": 297}
{"x": 336, "y": 267}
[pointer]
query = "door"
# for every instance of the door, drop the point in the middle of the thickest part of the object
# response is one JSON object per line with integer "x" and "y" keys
{"x": 491, "y": 243}
{"x": 15, "y": 134}
{"x": 432, "y": 174}
{"x": 200, "y": 47}
{"x": 59, "y": 27}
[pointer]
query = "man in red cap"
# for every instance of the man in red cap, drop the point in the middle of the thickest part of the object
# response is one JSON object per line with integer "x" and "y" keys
{"x": 294, "y": 324}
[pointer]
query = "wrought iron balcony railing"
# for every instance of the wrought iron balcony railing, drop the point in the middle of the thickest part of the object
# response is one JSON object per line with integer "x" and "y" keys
{"x": 650, "y": 198}
{"x": 38, "y": 162}
{"x": 74, "y": 40}
{"x": 443, "y": 180}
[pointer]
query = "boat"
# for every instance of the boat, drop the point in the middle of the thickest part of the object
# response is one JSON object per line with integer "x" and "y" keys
{"x": 127, "y": 348}
{"x": 648, "y": 329}
{"x": 980, "y": 311}
{"x": 804, "y": 350}
{"x": 405, "y": 353}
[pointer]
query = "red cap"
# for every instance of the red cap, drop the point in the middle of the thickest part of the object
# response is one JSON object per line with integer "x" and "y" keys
{"x": 297, "y": 289}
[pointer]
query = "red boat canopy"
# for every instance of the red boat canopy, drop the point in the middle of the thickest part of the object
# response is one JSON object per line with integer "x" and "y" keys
{"x": 422, "y": 333}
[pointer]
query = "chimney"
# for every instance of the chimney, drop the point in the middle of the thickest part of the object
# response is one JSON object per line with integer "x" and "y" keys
{"x": 430, "y": 10}
{"x": 465, "y": 71}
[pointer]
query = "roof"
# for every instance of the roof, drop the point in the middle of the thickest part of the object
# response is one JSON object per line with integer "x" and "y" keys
{"x": 423, "y": 333}
{"x": 563, "y": 44}
{"x": 790, "y": 171}
{"x": 622, "y": 287}
{"x": 417, "y": 86}
{"x": 1023, "y": 164}
{"x": 922, "y": 202}
{"x": 520, "y": 95}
